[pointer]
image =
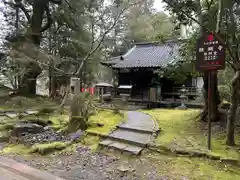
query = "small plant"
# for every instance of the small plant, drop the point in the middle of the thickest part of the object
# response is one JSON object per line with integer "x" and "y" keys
{"x": 81, "y": 108}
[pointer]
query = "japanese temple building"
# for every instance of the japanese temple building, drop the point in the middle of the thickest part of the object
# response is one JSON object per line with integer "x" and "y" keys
{"x": 137, "y": 68}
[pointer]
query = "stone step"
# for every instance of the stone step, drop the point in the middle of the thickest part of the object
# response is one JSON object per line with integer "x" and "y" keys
{"x": 121, "y": 146}
{"x": 135, "y": 129}
{"x": 131, "y": 137}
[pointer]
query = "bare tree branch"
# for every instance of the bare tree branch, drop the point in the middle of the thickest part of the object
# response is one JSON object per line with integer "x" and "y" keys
{"x": 93, "y": 50}
{"x": 209, "y": 3}
{"x": 21, "y": 6}
{"x": 56, "y": 1}
{"x": 25, "y": 11}
{"x": 49, "y": 20}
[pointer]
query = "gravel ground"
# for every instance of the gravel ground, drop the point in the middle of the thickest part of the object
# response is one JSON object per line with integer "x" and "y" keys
{"x": 88, "y": 165}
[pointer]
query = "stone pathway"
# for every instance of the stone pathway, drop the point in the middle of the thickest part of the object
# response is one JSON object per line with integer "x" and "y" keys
{"x": 133, "y": 135}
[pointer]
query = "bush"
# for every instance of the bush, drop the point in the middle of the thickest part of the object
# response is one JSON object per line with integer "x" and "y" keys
{"x": 225, "y": 92}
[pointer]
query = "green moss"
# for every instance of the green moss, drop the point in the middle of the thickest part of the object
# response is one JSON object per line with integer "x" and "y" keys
{"x": 42, "y": 149}
{"x": 88, "y": 140}
{"x": 16, "y": 149}
{"x": 106, "y": 117}
{"x": 58, "y": 118}
{"x": 175, "y": 124}
{"x": 182, "y": 129}
{"x": 48, "y": 148}
{"x": 91, "y": 141}
{"x": 6, "y": 127}
{"x": 194, "y": 169}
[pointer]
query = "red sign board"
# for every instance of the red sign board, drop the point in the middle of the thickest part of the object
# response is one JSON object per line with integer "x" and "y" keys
{"x": 210, "y": 53}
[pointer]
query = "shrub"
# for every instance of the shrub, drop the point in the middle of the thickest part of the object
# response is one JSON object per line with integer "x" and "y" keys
{"x": 225, "y": 92}
{"x": 81, "y": 108}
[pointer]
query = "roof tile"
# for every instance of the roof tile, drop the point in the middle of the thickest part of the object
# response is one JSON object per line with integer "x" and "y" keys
{"x": 148, "y": 55}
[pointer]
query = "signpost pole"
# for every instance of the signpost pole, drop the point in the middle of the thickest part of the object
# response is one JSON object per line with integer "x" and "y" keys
{"x": 210, "y": 57}
{"x": 209, "y": 108}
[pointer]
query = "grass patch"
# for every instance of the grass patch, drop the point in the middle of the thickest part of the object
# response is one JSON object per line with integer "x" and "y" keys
{"x": 16, "y": 149}
{"x": 181, "y": 129}
{"x": 106, "y": 117}
{"x": 20, "y": 103}
{"x": 194, "y": 169}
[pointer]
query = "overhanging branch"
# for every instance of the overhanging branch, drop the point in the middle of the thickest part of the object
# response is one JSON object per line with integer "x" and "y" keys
{"x": 49, "y": 20}
{"x": 219, "y": 38}
{"x": 93, "y": 50}
{"x": 25, "y": 11}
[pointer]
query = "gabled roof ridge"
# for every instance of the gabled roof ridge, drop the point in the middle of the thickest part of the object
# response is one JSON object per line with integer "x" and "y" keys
{"x": 156, "y": 43}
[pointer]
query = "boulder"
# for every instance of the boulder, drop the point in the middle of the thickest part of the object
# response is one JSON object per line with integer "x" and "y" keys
{"x": 21, "y": 129}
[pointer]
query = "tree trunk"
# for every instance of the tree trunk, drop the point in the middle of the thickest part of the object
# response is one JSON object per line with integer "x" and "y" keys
{"x": 233, "y": 110}
{"x": 215, "y": 97}
{"x": 29, "y": 79}
{"x": 52, "y": 84}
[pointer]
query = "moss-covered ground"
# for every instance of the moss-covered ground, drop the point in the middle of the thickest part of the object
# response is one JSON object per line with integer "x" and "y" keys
{"x": 102, "y": 122}
{"x": 182, "y": 129}
{"x": 107, "y": 118}
{"x": 178, "y": 168}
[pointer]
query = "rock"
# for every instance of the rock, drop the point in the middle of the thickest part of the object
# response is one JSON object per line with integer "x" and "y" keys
{"x": 31, "y": 112}
{"x": 19, "y": 129}
{"x": 76, "y": 135}
{"x": 124, "y": 169}
{"x": 11, "y": 114}
{"x": 52, "y": 138}
{"x": 46, "y": 128}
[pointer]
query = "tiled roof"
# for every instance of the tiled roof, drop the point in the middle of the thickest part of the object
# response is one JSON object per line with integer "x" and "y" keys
{"x": 148, "y": 55}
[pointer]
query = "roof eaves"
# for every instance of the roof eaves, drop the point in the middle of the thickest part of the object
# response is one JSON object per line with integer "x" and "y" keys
{"x": 129, "y": 52}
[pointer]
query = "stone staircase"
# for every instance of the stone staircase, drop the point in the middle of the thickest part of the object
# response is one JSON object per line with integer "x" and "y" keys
{"x": 133, "y": 135}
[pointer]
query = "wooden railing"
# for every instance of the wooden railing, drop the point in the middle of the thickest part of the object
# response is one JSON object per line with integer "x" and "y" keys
{"x": 190, "y": 91}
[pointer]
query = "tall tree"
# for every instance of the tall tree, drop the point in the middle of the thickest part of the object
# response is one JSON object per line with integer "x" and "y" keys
{"x": 205, "y": 14}
{"x": 27, "y": 84}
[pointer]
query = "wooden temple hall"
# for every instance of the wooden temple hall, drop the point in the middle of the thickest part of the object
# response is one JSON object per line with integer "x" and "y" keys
{"x": 135, "y": 72}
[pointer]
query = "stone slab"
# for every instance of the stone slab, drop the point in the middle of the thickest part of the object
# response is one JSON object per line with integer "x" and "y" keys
{"x": 139, "y": 120}
{"x": 118, "y": 145}
{"x": 134, "y": 128}
{"x": 136, "y": 138}
{"x": 106, "y": 142}
{"x": 122, "y": 146}
{"x": 133, "y": 149}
